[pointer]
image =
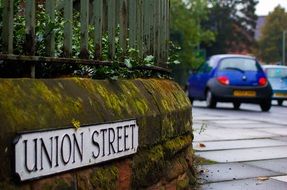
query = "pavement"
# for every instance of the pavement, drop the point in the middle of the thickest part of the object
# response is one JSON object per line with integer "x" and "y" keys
{"x": 249, "y": 147}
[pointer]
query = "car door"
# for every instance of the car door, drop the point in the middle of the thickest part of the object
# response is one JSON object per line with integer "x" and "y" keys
{"x": 198, "y": 81}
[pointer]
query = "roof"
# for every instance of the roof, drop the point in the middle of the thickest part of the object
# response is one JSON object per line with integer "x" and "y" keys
{"x": 221, "y": 56}
{"x": 275, "y": 66}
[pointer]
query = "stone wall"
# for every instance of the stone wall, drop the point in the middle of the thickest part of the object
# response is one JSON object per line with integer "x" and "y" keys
{"x": 162, "y": 111}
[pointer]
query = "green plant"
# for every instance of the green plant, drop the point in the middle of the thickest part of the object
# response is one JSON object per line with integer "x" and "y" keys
{"x": 124, "y": 64}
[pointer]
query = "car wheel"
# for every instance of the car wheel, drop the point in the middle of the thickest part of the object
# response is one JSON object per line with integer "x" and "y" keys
{"x": 210, "y": 100}
{"x": 236, "y": 105}
{"x": 191, "y": 100}
{"x": 280, "y": 102}
{"x": 265, "y": 105}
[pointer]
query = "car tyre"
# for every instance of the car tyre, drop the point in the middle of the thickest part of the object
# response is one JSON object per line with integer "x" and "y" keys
{"x": 265, "y": 105}
{"x": 280, "y": 102}
{"x": 210, "y": 100}
{"x": 236, "y": 105}
{"x": 191, "y": 100}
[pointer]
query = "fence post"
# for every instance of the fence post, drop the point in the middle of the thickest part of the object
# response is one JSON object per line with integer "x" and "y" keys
{"x": 30, "y": 43}
{"x": 140, "y": 27}
{"x": 123, "y": 25}
{"x": 132, "y": 23}
{"x": 68, "y": 32}
{"x": 8, "y": 25}
{"x": 98, "y": 18}
{"x": 84, "y": 53}
{"x": 111, "y": 27}
{"x": 50, "y": 42}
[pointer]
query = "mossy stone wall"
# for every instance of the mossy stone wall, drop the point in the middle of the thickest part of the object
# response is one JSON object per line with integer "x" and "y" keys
{"x": 162, "y": 111}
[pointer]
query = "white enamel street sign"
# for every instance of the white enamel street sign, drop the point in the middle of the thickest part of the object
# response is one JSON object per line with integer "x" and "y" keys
{"x": 43, "y": 153}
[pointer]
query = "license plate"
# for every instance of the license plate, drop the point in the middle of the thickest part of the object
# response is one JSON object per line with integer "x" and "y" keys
{"x": 245, "y": 93}
{"x": 280, "y": 95}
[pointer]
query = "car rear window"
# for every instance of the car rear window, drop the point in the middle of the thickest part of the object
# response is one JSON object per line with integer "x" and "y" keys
{"x": 276, "y": 73}
{"x": 243, "y": 64}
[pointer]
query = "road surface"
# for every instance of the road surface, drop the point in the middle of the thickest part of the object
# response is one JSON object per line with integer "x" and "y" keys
{"x": 248, "y": 146}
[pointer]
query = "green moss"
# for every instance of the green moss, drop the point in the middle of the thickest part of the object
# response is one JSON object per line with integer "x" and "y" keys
{"x": 61, "y": 184}
{"x": 176, "y": 145}
{"x": 202, "y": 161}
{"x": 148, "y": 167}
{"x": 182, "y": 183}
{"x": 111, "y": 100}
{"x": 168, "y": 127}
{"x": 105, "y": 177}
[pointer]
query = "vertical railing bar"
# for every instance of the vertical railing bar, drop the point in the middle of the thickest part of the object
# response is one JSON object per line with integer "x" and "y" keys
{"x": 146, "y": 25}
{"x": 117, "y": 11}
{"x": 68, "y": 31}
{"x": 98, "y": 18}
{"x": 140, "y": 27}
{"x": 156, "y": 30}
{"x": 163, "y": 31}
{"x": 84, "y": 53}
{"x": 132, "y": 23}
{"x": 30, "y": 42}
{"x": 50, "y": 42}
{"x": 123, "y": 25}
{"x": 167, "y": 28}
{"x": 8, "y": 26}
{"x": 111, "y": 27}
{"x": 151, "y": 8}
{"x": 105, "y": 16}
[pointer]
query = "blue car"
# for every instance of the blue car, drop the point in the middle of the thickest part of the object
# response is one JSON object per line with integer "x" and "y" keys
{"x": 277, "y": 76}
{"x": 230, "y": 78}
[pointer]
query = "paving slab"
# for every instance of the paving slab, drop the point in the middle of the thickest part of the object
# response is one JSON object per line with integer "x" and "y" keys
{"x": 276, "y": 130}
{"x": 256, "y": 125}
{"x": 236, "y": 144}
{"x": 280, "y": 178}
{"x": 234, "y": 121}
{"x": 231, "y": 171}
{"x": 280, "y": 138}
{"x": 276, "y": 165}
{"x": 239, "y": 155}
{"x": 246, "y": 184}
{"x": 211, "y": 134}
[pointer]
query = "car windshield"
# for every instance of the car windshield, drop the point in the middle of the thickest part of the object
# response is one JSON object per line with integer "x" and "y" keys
{"x": 239, "y": 64}
{"x": 276, "y": 72}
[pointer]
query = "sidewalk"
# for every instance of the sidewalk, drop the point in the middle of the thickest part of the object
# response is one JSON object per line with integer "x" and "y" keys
{"x": 249, "y": 154}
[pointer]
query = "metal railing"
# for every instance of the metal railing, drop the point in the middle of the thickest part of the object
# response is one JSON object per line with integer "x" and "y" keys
{"x": 139, "y": 24}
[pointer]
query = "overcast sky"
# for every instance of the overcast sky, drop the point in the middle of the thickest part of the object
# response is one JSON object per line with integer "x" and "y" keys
{"x": 266, "y": 6}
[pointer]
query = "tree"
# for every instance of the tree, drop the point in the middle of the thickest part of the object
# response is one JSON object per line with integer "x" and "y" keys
{"x": 234, "y": 23}
{"x": 186, "y": 32}
{"x": 270, "y": 42}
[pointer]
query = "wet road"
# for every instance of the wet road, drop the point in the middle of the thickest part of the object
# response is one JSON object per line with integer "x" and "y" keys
{"x": 248, "y": 146}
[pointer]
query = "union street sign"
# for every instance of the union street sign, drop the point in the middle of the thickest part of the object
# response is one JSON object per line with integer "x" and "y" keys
{"x": 42, "y": 153}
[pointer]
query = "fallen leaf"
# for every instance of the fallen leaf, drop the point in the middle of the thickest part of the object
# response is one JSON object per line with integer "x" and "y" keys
{"x": 201, "y": 145}
{"x": 262, "y": 178}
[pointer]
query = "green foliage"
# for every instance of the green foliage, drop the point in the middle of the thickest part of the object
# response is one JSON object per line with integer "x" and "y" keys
{"x": 269, "y": 47}
{"x": 187, "y": 33}
{"x": 46, "y": 26}
{"x": 234, "y": 23}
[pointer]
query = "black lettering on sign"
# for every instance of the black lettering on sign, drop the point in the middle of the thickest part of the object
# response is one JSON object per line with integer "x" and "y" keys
{"x": 44, "y": 150}
{"x": 119, "y": 138}
{"x": 26, "y": 156}
{"x": 126, "y": 136}
{"x": 57, "y": 151}
{"x": 104, "y": 131}
{"x": 76, "y": 145}
{"x": 66, "y": 157}
{"x": 111, "y": 140}
{"x": 96, "y": 144}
